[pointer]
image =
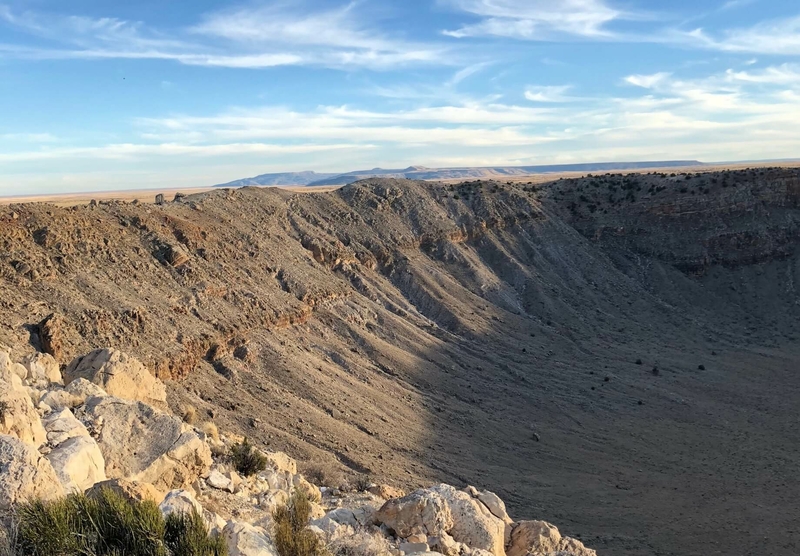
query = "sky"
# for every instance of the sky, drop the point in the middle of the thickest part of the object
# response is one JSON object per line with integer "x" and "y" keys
{"x": 98, "y": 95}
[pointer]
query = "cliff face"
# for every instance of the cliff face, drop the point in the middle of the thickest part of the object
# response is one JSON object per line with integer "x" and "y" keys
{"x": 692, "y": 221}
{"x": 478, "y": 333}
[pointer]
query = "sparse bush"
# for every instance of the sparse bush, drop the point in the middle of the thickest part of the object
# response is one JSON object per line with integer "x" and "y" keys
{"x": 108, "y": 525}
{"x": 186, "y": 535}
{"x": 247, "y": 459}
{"x": 290, "y": 532}
{"x": 4, "y": 407}
{"x": 362, "y": 483}
{"x": 323, "y": 474}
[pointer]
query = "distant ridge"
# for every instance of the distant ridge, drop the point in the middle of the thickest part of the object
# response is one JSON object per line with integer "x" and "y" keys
{"x": 423, "y": 173}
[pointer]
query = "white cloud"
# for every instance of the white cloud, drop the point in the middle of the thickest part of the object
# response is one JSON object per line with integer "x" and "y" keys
{"x": 247, "y": 38}
{"x": 537, "y": 19}
{"x": 778, "y": 37}
{"x": 549, "y": 93}
{"x": 648, "y": 81}
{"x": 133, "y": 150}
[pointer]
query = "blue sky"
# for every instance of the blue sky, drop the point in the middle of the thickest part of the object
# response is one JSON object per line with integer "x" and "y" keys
{"x": 98, "y": 95}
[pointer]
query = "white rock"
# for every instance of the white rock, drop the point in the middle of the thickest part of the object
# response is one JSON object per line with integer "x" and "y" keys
{"x": 219, "y": 481}
{"x": 140, "y": 443}
{"x": 473, "y": 523}
{"x": 244, "y": 539}
{"x": 179, "y": 501}
{"x": 25, "y": 474}
{"x": 534, "y": 537}
{"x": 119, "y": 374}
{"x": 78, "y": 463}
{"x": 42, "y": 369}
{"x": 62, "y": 425}
{"x": 82, "y": 389}
{"x": 20, "y": 371}
{"x": 18, "y": 416}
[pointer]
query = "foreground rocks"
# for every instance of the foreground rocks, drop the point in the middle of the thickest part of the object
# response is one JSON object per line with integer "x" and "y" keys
{"x": 97, "y": 431}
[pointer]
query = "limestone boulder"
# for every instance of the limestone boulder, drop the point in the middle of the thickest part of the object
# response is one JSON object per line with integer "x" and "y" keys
{"x": 42, "y": 369}
{"x": 119, "y": 375}
{"x": 140, "y": 443}
{"x": 18, "y": 416}
{"x": 25, "y": 474}
{"x": 535, "y": 538}
{"x": 422, "y": 511}
{"x": 78, "y": 463}
{"x": 244, "y": 539}
{"x": 281, "y": 462}
{"x": 573, "y": 547}
{"x": 129, "y": 490}
{"x": 473, "y": 523}
{"x": 62, "y": 425}
{"x": 180, "y": 502}
{"x": 387, "y": 492}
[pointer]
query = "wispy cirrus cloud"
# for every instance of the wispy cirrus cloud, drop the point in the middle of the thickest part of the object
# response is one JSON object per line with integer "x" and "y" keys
{"x": 776, "y": 37}
{"x": 253, "y": 37}
{"x": 537, "y": 19}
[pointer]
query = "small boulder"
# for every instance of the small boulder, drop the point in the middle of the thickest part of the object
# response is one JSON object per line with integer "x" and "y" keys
{"x": 219, "y": 481}
{"x": 534, "y": 538}
{"x": 119, "y": 374}
{"x": 386, "y": 492}
{"x": 78, "y": 463}
{"x": 244, "y": 539}
{"x": 129, "y": 490}
{"x": 26, "y": 474}
{"x": 42, "y": 369}
{"x": 18, "y": 416}
{"x": 62, "y": 425}
{"x": 421, "y": 511}
{"x": 181, "y": 502}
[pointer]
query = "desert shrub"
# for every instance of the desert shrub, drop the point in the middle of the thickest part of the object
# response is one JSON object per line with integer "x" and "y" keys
{"x": 323, "y": 474}
{"x": 108, "y": 525}
{"x": 362, "y": 482}
{"x": 363, "y": 543}
{"x": 247, "y": 459}
{"x": 186, "y": 535}
{"x": 104, "y": 525}
{"x": 290, "y": 532}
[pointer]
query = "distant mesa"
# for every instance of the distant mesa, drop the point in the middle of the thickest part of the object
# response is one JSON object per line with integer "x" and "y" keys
{"x": 423, "y": 173}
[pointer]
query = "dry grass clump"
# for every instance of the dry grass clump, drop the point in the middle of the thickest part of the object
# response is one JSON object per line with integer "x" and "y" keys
{"x": 290, "y": 532}
{"x": 190, "y": 414}
{"x": 323, "y": 474}
{"x": 211, "y": 430}
{"x": 363, "y": 543}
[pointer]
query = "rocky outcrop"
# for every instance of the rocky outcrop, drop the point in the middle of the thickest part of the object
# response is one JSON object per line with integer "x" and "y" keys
{"x": 473, "y": 524}
{"x": 43, "y": 370}
{"x": 539, "y": 538}
{"x": 25, "y": 474}
{"x": 119, "y": 375}
{"x": 140, "y": 443}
